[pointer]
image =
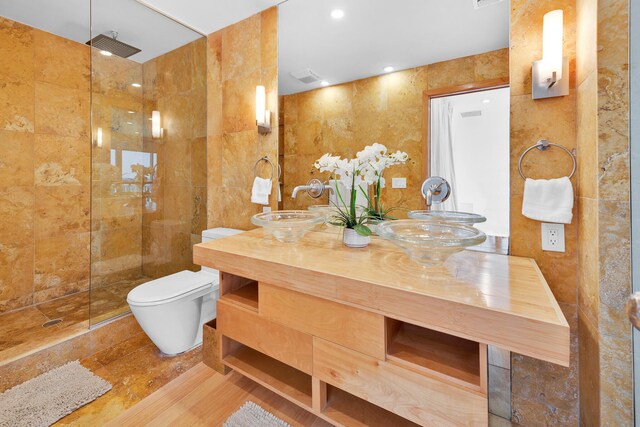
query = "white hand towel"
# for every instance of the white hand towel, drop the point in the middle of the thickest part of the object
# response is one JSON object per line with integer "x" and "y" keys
{"x": 261, "y": 191}
{"x": 548, "y": 200}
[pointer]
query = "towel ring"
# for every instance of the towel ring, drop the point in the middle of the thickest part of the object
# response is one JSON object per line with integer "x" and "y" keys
{"x": 263, "y": 159}
{"x": 543, "y": 144}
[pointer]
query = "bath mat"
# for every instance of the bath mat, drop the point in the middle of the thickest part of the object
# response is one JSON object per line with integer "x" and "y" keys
{"x": 45, "y": 399}
{"x": 253, "y": 415}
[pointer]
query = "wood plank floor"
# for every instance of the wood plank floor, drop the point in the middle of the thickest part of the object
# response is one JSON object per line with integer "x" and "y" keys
{"x": 202, "y": 397}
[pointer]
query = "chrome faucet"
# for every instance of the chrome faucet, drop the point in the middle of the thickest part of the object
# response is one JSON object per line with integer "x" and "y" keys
{"x": 435, "y": 190}
{"x": 314, "y": 188}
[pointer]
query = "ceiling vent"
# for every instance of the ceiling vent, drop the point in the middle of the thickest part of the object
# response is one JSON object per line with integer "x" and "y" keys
{"x": 474, "y": 113}
{"x": 479, "y": 4}
{"x": 306, "y": 76}
{"x": 111, "y": 44}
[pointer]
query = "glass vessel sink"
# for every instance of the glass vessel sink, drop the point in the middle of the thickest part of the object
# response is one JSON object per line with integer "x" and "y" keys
{"x": 448, "y": 216}
{"x": 327, "y": 211}
{"x": 430, "y": 243}
{"x": 288, "y": 226}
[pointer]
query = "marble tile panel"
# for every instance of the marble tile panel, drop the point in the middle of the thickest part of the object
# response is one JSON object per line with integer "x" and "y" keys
{"x": 613, "y": 132}
{"x": 16, "y": 216}
{"x": 587, "y": 136}
{"x": 613, "y": 32}
{"x": 61, "y": 61}
{"x": 491, "y": 65}
{"x": 370, "y": 96}
{"x": 499, "y": 357}
{"x": 241, "y": 48}
{"x": 16, "y": 49}
{"x": 61, "y": 265}
{"x": 405, "y": 88}
{"x": 269, "y": 38}
{"x": 499, "y": 391}
{"x": 544, "y": 393}
{"x": 199, "y": 210}
{"x": 214, "y": 57}
{"x": 61, "y": 160}
{"x": 17, "y": 111}
{"x": 588, "y": 259}
{"x": 16, "y": 158}
{"x": 61, "y": 210}
{"x": 589, "y": 365}
{"x": 238, "y": 107}
{"x": 452, "y": 73}
{"x": 16, "y": 276}
{"x": 61, "y": 111}
{"x": 198, "y": 148}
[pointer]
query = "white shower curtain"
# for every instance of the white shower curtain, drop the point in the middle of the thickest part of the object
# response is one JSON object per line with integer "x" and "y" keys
{"x": 442, "y": 140}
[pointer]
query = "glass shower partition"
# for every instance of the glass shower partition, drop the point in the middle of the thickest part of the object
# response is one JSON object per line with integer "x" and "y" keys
{"x": 148, "y": 117}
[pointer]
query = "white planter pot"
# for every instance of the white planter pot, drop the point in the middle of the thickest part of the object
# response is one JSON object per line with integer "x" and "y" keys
{"x": 353, "y": 240}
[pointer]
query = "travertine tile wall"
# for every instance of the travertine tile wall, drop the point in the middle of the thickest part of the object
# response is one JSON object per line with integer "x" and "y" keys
{"x": 44, "y": 166}
{"x": 240, "y": 57}
{"x": 606, "y": 387}
{"x": 116, "y": 199}
{"x": 543, "y": 393}
{"x": 174, "y": 209}
{"x": 387, "y": 109}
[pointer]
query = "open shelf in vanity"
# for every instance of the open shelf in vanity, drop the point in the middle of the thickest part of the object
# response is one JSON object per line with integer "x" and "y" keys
{"x": 453, "y": 359}
{"x": 278, "y": 377}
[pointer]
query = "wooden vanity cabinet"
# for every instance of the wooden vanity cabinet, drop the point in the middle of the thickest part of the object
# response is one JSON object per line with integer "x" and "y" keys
{"x": 369, "y": 338}
{"x": 319, "y": 354}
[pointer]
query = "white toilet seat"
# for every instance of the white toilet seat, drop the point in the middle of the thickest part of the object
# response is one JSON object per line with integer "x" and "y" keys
{"x": 170, "y": 288}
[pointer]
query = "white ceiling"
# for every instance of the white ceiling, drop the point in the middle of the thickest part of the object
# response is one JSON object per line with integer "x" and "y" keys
{"x": 377, "y": 33}
{"x": 136, "y": 24}
{"x": 208, "y": 16}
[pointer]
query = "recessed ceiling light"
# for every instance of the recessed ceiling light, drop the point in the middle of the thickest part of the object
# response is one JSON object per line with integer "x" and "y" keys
{"x": 324, "y": 83}
{"x": 136, "y": 85}
{"x": 131, "y": 112}
{"x": 337, "y": 13}
{"x": 388, "y": 69}
{"x": 106, "y": 53}
{"x": 486, "y": 101}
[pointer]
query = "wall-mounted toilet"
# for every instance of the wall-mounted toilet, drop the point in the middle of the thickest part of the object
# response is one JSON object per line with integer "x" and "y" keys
{"x": 172, "y": 309}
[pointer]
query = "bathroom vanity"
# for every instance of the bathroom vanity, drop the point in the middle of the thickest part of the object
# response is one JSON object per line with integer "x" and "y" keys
{"x": 367, "y": 337}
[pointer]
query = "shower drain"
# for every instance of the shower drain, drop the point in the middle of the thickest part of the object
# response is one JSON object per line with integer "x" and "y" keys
{"x": 51, "y": 323}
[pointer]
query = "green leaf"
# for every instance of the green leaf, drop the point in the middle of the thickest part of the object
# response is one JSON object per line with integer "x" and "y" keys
{"x": 362, "y": 230}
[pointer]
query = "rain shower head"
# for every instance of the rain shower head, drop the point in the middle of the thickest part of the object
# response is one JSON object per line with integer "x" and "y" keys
{"x": 111, "y": 44}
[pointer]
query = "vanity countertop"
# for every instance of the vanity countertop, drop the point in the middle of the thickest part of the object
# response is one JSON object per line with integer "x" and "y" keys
{"x": 494, "y": 299}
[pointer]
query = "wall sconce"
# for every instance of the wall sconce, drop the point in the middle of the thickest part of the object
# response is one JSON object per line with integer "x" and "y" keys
{"x": 156, "y": 130}
{"x": 550, "y": 76}
{"x": 263, "y": 116}
{"x": 99, "y": 138}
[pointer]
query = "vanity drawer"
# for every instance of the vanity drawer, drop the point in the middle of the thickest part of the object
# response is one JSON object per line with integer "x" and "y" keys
{"x": 421, "y": 399}
{"x": 357, "y": 329}
{"x": 279, "y": 342}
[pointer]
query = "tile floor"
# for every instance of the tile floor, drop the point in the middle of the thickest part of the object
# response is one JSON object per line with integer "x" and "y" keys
{"x": 135, "y": 368}
{"x": 22, "y": 331}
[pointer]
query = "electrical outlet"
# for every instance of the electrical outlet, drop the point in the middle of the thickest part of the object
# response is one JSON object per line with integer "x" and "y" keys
{"x": 398, "y": 182}
{"x": 553, "y": 237}
{"x": 266, "y": 209}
